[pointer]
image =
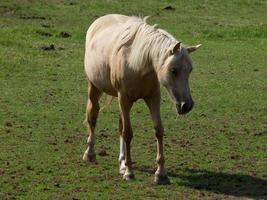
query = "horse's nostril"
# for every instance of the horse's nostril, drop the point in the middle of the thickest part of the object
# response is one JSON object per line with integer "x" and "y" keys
{"x": 182, "y": 105}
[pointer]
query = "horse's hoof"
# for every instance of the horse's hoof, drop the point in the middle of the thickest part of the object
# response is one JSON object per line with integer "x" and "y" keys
{"x": 128, "y": 177}
{"x": 161, "y": 180}
{"x": 89, "y": 157}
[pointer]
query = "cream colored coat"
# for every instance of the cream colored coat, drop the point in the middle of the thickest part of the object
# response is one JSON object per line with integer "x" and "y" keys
{"x": 127, "y": 58}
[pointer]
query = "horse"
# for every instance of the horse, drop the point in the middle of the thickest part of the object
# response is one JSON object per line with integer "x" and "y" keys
{"x": 127, "y": 58}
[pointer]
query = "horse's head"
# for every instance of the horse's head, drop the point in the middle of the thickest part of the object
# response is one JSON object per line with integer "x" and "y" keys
{"x": 174, "y": 75}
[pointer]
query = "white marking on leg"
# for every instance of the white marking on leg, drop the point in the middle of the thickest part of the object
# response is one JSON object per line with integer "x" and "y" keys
{"x": 122, "y": 167}
{"x": 89, "y": 153}
{"x": 91, "y": 144}
{"x": 122, "y": 156}
{"x": 122, "y": 149}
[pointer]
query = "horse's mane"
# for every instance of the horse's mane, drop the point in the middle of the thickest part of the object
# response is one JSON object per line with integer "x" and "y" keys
{"x": 147, "y": 44}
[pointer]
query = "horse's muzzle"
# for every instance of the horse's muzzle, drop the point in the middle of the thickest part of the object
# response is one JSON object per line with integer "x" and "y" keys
{"x": 184, "y": 107}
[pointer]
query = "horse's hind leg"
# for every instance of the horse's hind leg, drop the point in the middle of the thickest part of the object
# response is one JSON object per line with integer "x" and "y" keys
{"x": 92, "y": 111}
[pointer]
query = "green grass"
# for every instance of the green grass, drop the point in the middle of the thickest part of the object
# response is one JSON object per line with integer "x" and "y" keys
{"x": 218, "y": 151}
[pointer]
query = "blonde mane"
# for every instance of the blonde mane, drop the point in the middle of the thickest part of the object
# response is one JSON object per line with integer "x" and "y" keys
{"x": 147, "y": 45}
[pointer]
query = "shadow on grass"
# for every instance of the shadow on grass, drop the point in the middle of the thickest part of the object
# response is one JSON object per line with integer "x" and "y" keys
{"x": 222, "y": 183}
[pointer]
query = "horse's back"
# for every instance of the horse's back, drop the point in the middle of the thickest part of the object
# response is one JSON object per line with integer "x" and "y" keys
{"x": 105, "y": 22}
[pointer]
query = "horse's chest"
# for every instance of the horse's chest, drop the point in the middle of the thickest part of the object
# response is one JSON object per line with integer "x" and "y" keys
{"x": 137, "y": 86}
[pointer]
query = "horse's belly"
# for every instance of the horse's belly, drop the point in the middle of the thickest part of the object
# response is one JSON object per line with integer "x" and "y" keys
{"x": 100, "y": 78}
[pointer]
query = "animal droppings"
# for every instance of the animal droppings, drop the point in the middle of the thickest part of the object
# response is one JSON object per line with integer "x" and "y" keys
{"x": 103, "y": 153}
{"x": 64, "y": 35}
{"x": 48, "y": 47}
{"x": 169, "y": 8}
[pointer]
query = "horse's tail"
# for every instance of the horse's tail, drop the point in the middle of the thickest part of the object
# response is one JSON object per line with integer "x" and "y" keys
{"x": 109, "y": 100}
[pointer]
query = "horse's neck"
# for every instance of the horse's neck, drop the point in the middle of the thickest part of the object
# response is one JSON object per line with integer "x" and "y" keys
{"x": 149, "y": 48}
{"x": 159, "y": 53}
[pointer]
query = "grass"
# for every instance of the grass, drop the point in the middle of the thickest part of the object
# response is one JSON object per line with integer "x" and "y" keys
{"x": 218, "y": 151}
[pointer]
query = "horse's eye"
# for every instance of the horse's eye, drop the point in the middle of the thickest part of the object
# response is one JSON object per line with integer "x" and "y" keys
{"x": 174, "y": 71}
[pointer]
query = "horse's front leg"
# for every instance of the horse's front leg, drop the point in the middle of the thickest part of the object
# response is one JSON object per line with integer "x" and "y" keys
{"x": 153, "y": 103}
{"x": 122, "y": 150}
{"x": 127, "y": 134}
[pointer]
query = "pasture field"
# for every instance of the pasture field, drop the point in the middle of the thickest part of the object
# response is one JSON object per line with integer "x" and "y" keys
{"x": 218, "y": 151}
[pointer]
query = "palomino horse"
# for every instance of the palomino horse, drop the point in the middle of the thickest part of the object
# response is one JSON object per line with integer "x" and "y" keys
{"x": 127, "y": 58}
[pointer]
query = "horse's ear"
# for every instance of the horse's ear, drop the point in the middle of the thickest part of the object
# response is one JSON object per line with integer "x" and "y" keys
{"x": 193, "y": 48}
{"x": 175, "y": 48}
